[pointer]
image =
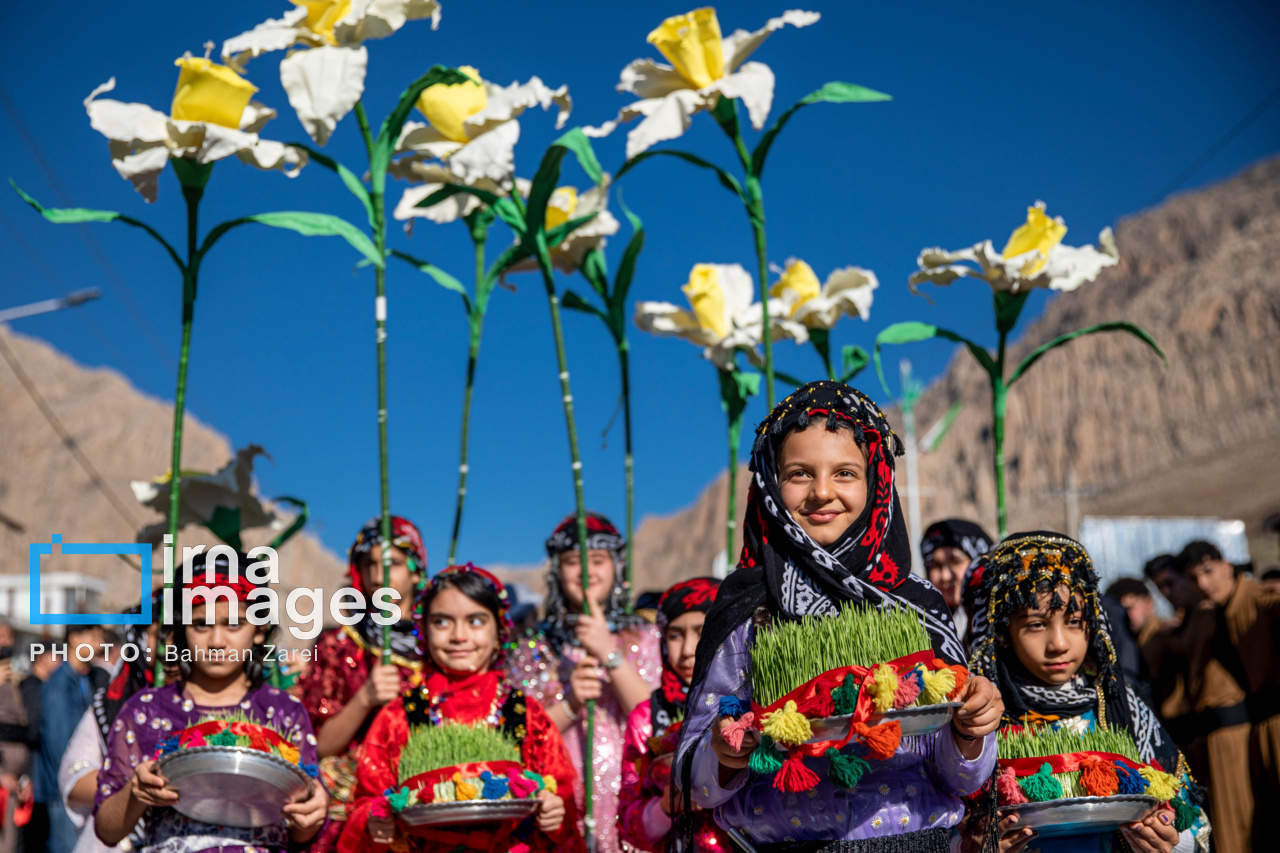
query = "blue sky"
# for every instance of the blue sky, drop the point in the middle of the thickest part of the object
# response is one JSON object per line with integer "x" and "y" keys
{"x": 1093, "y": 107}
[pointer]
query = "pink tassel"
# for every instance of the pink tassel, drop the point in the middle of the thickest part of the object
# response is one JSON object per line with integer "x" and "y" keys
{"x": 737, "y": 729}
{"x": 908, "y": 690}
{"x": 1007, "y": 789}
{"x": 521, "y": 785}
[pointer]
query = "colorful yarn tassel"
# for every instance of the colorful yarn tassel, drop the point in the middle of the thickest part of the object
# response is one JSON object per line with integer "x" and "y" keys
{"x": 884, "y": 683}
{"x": 764, "y": 759}
{"x": 495, "y": 787}
{"x": 735, "y": 731}
{"x": 465, "y": 790}
{"x": 846, "y": 770}
{"x": 521, "y": 786}
{"x": 1160, "y": 785}
{"x": 1185, "y": 814}
{"x": 908, "y": 689}
{"x": 730, "y": 707}
{"x": 536, "y": 778}
{"x": 793, "y": 776}
{"x": 788, "y": 726}
{"x": 1131, "y": 781}
{"x": 845, "y": 697}
{"x": 937, "y": 684}
{"x": 551, "y": 784}
{"x": 961, "y": 675}
{"x": 1007, "y": 790}
{"x": 882, "y": 740}
{"x": 1098, "y": 777}
{"x": 1042, "y": 787}
{"x": 818, "y": 705}
{"x": 397, "y": 800}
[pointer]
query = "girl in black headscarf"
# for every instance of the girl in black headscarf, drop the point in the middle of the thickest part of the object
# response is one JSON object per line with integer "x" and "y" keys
{"x": 947, "y": 549}
{"x": 824, "y": 529}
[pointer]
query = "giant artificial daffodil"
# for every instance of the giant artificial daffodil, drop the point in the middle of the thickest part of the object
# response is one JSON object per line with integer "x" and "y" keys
{"x": 722, "y": 318}
{"x": 325, "y": 81}
{"x": 212, "y": 116}
{"x": 704, "y": 67}
{"x": 224, "y": 500}
{"x": 819, "y": 305}
{"x": 1034, "y": 256}
{"x": 471, "y": 132}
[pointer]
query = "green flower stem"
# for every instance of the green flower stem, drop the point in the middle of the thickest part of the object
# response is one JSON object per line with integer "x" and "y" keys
{"x": 735, "y": 430}
{"x": 755, "y": 210}
{"x": 624, "y": 368}
{"x": 479, "y": 236}
{"x": 553, "y": 301}
{"x": 999, "y": 405}
{"x": 379, "y": 224}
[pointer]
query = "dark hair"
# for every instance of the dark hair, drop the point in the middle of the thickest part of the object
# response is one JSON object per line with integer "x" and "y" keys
{"x": 1196, "y": 553}
{"x": 1271, "y": 574}
{"x": 1161, "y": 563}
{"x": 471, "y": 585}
{"x": 1128, "y": 586}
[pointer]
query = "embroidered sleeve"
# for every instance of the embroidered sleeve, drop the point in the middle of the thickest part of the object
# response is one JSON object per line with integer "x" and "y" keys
{"x": 641, "y": 821}
{"x": 544, "y": 752}
{"x": 336, "y": 672}
{"x": 378, "y": 769}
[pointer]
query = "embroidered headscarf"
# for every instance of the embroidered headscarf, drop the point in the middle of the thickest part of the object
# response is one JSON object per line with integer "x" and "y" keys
{"x": 954, "y": 533}
{"x": 405, "y": 536}
{"x": 503, "y": 616}
{"x": 557, "y": 627}
{"x": 691, "y": 596}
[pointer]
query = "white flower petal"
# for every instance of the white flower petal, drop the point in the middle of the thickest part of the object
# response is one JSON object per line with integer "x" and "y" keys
{"x": 489, "y": 156}
{"x": 143, "y": 170}
{"x": 136, "y": 125}
{"x": 425, "y": 139}
{"x": 663, "y": 318}
{"x": 648, "y": 79}
{"x": 753, "y": 83}
{"x": 324, "y": 83}
{"x": 738, "y": 288}
{"x": 506, "y": 103}
{"x": 665, "y": 118}
{"x": 449, "y": 210}
{"x": 741, "y": 44}
{"x": 269, "y": 155}
{"x": 271, "y": 35}
{"x": 1071, "y": 266}
{"x": 255, "y": 117}
{"x": 375, "y": 19}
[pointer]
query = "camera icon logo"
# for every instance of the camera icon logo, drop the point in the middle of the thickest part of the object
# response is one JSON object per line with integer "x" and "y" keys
{"x": 54, "y": 547}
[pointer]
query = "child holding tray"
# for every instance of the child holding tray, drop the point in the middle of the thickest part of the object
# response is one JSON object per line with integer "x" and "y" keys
{"x": 222, "y": 673}
{"x": 465, "y": 634}
{"x": 823, "y": 529}
{"x": 1040, "y": 633}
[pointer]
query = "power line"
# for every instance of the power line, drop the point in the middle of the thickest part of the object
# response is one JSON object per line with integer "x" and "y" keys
{"x": 1239, "y": 128}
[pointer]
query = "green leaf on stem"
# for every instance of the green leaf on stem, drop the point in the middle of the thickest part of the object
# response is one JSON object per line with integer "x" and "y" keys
{"x": 440, "y": 277}
{"x": 561, "y": 232}
{"x": 736, "y": 387}
{"x": 788, "y": 378}
{"x": 548, "y": 174}
{"x": 831, "y": 93}
{"x": 502, "y": 205}
{"x": 389, "y": 134}
{"x": 574, "y": 302}
{"x": 349, "y": 178}
{"x": 911, "y": 332}
{"x": 300, "y": 521}
{"x": 727, "y": 180}
{"x": 855, "y": 360}
{"x": 933, "y": 438}
{"x": 1119, "y": 326}
{"x": 302, "y": 222}
{"x": 595, "y": 271}
{"x": 1008, "y": 308}
{"x": 821, "y": 340}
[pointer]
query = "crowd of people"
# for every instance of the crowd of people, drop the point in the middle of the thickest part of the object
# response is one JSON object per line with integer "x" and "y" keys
{"x": 1045, "y": 646}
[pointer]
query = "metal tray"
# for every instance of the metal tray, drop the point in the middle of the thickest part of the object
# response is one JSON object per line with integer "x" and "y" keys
{"x": 1082, "y": 815}
{"x": 232, "y": 785}
{"x": 468, "y": 811}
{"x": 921, "y": 720}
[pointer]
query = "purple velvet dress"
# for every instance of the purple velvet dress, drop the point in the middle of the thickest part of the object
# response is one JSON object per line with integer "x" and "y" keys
{"x": 919, "y": 788}
{"x": 152, "y": 715}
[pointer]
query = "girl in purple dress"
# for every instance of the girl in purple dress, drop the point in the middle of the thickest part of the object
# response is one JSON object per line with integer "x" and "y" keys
{"x": 823, "y": 529}
{"x": 222, "y": 673}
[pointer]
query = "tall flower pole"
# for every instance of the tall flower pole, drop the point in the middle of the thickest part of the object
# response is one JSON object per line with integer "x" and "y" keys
{"x": 1033, "y": 257}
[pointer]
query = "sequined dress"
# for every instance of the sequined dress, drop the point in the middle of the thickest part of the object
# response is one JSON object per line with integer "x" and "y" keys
{"x": 542, "y": 674}
{"x": 152, "y": 715}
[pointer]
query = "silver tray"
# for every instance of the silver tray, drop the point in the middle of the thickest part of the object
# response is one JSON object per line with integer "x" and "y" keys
{"x": 1082, "y": 815}
{"x": 467, "y": 811}
{"x": 232, "y": 785}
{"x": 920, "y": 720}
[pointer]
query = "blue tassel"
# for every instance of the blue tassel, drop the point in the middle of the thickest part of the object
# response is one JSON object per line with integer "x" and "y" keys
{"x": 730, "y": 707}
{"x": 1131, "y": 781}
{"x": 169, "y": 744}
{"x": 312, "y": 770}
{"x": 495, "y": 787}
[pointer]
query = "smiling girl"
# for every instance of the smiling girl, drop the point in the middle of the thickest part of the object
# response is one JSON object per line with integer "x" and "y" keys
{"x": 465, "y": 632}
{"x": 222, "y": 672}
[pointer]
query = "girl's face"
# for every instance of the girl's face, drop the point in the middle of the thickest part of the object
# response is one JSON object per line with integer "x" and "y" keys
{"x": 601, "y": 570}
{"x": 682, "y": 642}
{"x": 220, "y": 651}
{"x": 822, "y": 475}
{"x": 462, "y": 634}
{"x": 404, "y": 578}
{"x": 946, "y": 568}
{"x": 1051, "y": 645}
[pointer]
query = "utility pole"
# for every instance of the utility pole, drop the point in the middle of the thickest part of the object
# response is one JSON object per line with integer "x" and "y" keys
{"x": 1071, "y": 493}
{"x": 47, "y": 305}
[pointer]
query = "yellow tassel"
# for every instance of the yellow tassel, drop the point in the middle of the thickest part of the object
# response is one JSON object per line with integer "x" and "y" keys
{"x": 551, "y": 784}
{"x": 788, "y": 726}
{"x": 466, "y": 791}
{"x": 884, "y": 683}
{"x": 1162, "y": 786}
{"x": 937, "y": 684}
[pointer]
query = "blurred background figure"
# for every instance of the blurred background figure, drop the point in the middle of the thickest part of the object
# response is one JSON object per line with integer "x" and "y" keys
{"x": 947, "y": 549}
{"x": 36, "y": 833}
{"x": 15, "y": 754}
{"x": 524, "y": 610}
{"x": 1131, "y": 608}
{"x": 1270, "y": 580}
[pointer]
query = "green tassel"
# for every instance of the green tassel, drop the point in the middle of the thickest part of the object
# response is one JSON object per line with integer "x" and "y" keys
{"x": 846, "y": 696}
{"x": 846, "y": 770}
{"x": 222, "y": 738}
{"x": 1042, "y": 787}
{"x": 1185, "y": 814}
{"x": 764, "y": 759}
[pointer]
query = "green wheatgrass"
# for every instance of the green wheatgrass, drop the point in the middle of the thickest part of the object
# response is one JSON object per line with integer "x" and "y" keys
{"x": 1043, "y": 742}
{"x": 432, "y": 747}
{"x": 791, "y": 653}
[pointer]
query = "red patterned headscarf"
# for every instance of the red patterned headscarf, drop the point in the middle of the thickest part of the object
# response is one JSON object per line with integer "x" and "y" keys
{"x": 404, "y": 535}
{"x": 692, "y": 596}
{"x": 501, "y": 616}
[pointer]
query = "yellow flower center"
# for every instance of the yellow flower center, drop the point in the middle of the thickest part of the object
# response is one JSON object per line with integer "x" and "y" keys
{"x": 560, "y": 207}
{"x": 800, "y": 280}
{"x": 707, "y": 298}
{"x": 209, "y": 92}
{"x": 691, "y": 43}
{"x": 1039, "y": 234}
{"x": 323, "y": 14}
{"x": 448, "y": 107}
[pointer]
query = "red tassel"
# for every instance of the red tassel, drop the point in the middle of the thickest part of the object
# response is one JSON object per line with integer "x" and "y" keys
{"x": 819, "y": 705}
{"x": 882, "y": 740}
{"x": 1099, "y": 777}
{"x": 1007, "y": 790}
{"x": 794, "y": 775}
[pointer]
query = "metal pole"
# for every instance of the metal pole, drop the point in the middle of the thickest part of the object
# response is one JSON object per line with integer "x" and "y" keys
{"x": 909, "y": 395}
{"x": 45, "y": 306}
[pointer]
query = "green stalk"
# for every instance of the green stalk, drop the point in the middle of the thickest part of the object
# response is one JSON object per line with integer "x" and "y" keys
{"x": 999, "y": 402}
{"x": 379, "y": 224}
{"x": 735, "y": 431}
{"x": 479, "y": 235}
{"x": 755, "y": 211}
{"x": 624, "y": 366}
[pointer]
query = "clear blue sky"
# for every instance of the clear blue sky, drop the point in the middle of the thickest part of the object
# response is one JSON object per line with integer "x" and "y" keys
{"x": 1093, "y": 107}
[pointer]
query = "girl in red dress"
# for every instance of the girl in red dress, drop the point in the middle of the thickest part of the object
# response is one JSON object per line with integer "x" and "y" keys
{"x": 465, "y": 633}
